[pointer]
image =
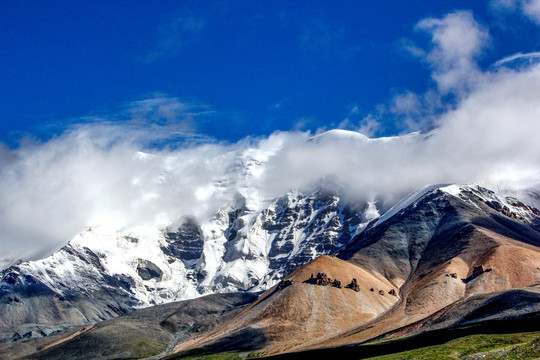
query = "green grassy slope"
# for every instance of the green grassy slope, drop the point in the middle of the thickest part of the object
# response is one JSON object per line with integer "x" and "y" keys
{"x": 481, "y": 346}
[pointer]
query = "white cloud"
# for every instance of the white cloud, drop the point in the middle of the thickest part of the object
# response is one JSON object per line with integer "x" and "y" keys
{"x": 455, "y": 43}
{"x": 529, "y": 59}
{"x": 491, "y": 136}
{"x": 55, "y": 189}
{"x": 531, "y": 8}
{"x": 458, "y": 41}
{"x": 369, "y": 126}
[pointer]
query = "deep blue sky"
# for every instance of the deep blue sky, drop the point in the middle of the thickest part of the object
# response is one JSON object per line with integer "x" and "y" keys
{"x": 259, "y": 66}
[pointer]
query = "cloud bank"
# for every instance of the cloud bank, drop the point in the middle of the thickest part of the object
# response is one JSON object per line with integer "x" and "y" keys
{"x": 490, "y": 137}
{"x": 101, "y": 170}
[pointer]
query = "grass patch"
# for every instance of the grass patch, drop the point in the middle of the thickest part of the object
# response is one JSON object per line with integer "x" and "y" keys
{"x": 144, "y": 348}
{"x": 229, "y": 355}
{"x": 489, "y": 338}
{"x": 493, "y": 346}
{"x": 218, "y": 356}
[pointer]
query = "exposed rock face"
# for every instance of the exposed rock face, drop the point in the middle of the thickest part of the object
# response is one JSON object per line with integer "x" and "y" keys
{"x": 320, "y": 218}
{"x": 354, "y": 285}
{"x": 147, "y": 270}
{"x": 186, "y": 243}
{"x": 283, "y": 284}
{"x": 322, "y": 279}
{"x": 446, "y": 230}
{"x": 478, "y": 270}
{"x": 291, "y": 231}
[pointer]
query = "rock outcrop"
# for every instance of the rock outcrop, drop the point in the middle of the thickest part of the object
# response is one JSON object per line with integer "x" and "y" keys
{"x": 284, "y": 283}
{"x": 478, "y": 270}
{"x": 354, "y": 285}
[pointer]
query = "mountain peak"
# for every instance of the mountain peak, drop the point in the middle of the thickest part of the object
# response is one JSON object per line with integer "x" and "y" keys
{"x": 339, "y": 134}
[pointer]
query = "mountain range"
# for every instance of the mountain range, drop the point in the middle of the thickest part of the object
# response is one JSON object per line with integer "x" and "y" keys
{"x": 266, "y": 276}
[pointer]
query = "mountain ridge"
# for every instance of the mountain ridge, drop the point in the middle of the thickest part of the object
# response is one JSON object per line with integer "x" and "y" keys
{"x": 417, "y": 261}
{"x": 433, "y": 283}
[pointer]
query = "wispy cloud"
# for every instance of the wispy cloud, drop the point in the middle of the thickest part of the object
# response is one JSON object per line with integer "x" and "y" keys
{"x": 368, "y": 125}
{"x": 173, "y": 36}
{"x": 156, "y": 121}
{"x": 529, "y": 8}
{"x": 301, "y": 124}
{"x": 529, "y": 58}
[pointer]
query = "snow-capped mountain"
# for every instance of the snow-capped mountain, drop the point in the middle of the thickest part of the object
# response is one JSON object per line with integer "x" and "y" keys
{"x": 248, "y": 244}
{"x": 238, "y": 249}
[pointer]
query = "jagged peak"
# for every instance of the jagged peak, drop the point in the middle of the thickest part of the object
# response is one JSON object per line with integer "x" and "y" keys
{"x": 464, "y": 192}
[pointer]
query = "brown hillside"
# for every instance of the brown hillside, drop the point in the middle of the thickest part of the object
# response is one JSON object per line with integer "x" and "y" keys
{"x": 508, "y": 264}
{"x": 302, "y": 313}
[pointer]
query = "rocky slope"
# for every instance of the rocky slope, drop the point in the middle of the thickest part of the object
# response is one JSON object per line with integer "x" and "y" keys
{"x": 138, "y": 334}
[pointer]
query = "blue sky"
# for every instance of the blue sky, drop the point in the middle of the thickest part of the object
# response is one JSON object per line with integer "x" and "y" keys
{"x": 228, "y": 69}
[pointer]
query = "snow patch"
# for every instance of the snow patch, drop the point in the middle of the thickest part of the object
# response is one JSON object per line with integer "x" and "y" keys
{"x": 407, "y": 201}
